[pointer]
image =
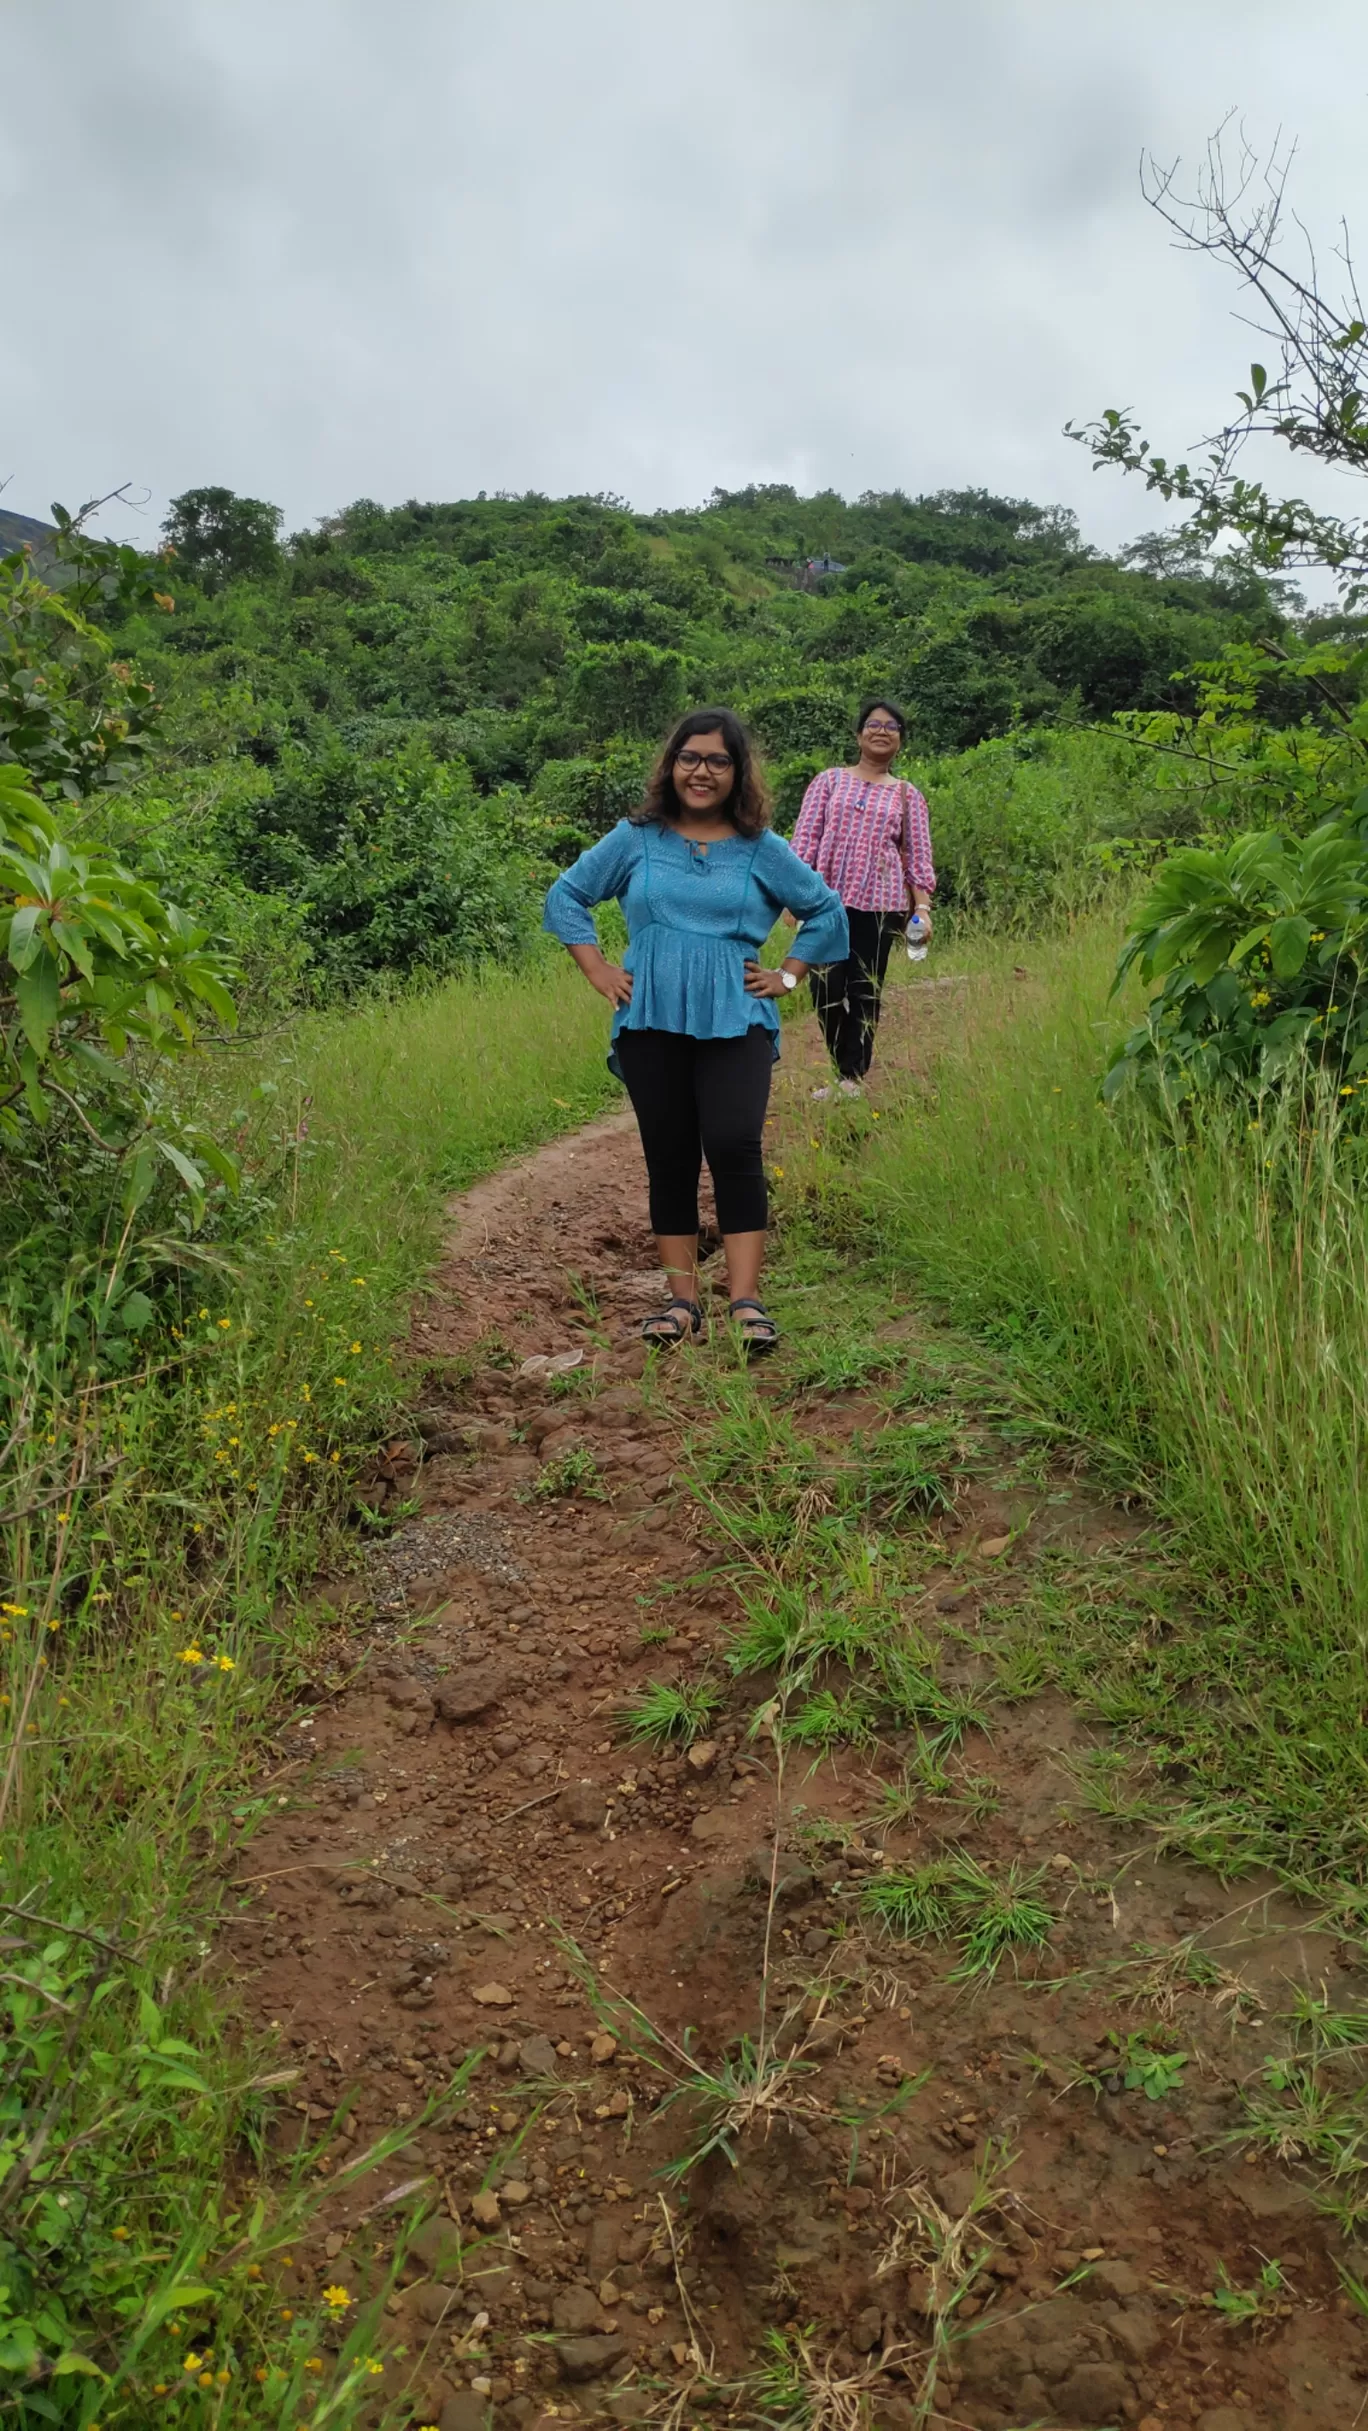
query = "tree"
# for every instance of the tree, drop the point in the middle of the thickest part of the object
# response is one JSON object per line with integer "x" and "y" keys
{"x": 216, "y": 536}
{"x": 1315, "y": 398}
{"x": 627, "y": 687}
{"x": 1262, "y": 947}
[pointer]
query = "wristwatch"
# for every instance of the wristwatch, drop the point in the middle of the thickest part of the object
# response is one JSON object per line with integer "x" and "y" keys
{"x": 790, "y": 978}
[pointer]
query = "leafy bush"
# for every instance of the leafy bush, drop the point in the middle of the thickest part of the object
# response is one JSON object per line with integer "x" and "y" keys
{"x": 1020, "y": 823}
{"x": 99, "y": 966}
{"x": 627, "y": 687}
{"x": 396, "y": 863}
{"x": 1261, "y": 948}
{"x": 581, "y": 799}
{"x": 70, "y": 713}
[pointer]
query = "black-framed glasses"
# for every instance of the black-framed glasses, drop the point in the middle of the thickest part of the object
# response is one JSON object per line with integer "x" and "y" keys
{"x": 718, "y": 761}
{"x": 876, "y": 726}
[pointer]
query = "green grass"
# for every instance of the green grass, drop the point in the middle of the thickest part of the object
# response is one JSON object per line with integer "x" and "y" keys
{"x": 1191, "y": 1309}
{"x": 160, "y": 1532}
{"x": 991, "y": 1916}
{"x": 670, "y": 1713}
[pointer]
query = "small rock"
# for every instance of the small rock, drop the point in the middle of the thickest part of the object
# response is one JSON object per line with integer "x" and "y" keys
{"x": 485, "y": 2210}
{"x": 1116, "y": 2279}
{"x": 464, "y": 2410}
{"x": 575, "y": 2309}
{"x": 867, "y": 2332}
{"x": 436, "y": 2245}
{"x": 1095, "y": 2393}
{"x": 585, "y": 2358}
{"x": 713, "y": 1824}
{"x": 603, "y": 2049}
{"x": 538, "y": 2055}
{"x": 466, "y": 1698}
{"x": 515, "y": 2191}
{"x": 991, "y": 1546}
{"x": 434, "y": 2303}
{"x": 505, "y": 1743}
{"x": 702, "y": 1756}
{"x": 493, "y": 1996}
{"x": 582, "y": 1804}
{"x": 956, "y": 2191}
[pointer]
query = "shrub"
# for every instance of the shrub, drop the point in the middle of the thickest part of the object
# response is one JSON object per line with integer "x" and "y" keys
{"x": 1261, "y": 947}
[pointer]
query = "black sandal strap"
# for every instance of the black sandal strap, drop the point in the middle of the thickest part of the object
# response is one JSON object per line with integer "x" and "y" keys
{"x": 666, "y": 1317}
{"x": 760, "y": 1329}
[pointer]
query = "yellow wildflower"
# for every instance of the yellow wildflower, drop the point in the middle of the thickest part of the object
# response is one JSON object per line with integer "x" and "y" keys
{"x": 339, "y": 1380}
{"x": 192, "y": 2363}
{"x": 355, "y": 1349}
{"x": 338, "y": 2298}
{"x": 190, "y": 1654}
{"x": 225, "y": 1324}
{"x": 224, "y": 1662}
{"x": 121, "y": 2233}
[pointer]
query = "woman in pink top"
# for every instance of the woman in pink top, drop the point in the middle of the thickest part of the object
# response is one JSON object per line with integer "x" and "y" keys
{"x": 867, "y": 833}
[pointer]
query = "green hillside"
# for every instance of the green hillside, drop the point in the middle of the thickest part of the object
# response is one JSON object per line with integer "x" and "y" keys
{"x": 382, "y": 733}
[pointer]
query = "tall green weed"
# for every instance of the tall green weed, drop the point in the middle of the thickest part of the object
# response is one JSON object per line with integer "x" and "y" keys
{"x": 1189, "y": 1302}
{"x": 158, "y": 1528}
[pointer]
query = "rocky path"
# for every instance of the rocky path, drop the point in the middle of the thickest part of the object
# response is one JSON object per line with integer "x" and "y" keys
{"x": 938, "y": 2199}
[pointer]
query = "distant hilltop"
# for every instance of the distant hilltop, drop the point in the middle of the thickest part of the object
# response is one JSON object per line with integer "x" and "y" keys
{"x": 16, "y": 531}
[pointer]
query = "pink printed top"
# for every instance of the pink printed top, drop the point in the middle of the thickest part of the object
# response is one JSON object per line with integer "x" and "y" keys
{"x": 871, "y": 842}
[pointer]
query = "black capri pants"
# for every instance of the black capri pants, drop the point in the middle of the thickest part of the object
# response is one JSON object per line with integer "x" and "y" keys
{"x": 696, "y": 1098}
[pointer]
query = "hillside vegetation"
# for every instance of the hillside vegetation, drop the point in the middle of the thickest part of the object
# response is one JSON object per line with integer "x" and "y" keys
{"x": 383, "y": 733}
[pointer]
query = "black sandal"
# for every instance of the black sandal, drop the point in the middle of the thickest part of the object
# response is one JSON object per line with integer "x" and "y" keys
{"x": 666, "y": 1330}
{"x": 758, "y": 1331}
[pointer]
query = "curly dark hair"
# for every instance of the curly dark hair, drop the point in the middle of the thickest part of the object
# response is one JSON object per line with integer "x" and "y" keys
{"x": 747, "y": 805}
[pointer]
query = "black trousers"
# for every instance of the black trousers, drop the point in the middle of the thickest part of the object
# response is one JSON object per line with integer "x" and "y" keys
{"x": 696, "y": 1098}
{"x": 847, "y": 994}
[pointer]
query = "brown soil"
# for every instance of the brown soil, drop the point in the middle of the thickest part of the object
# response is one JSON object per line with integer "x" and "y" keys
{"x": 459, "y": 1813}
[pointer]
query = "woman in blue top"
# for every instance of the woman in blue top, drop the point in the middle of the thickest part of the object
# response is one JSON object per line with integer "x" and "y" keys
{"x": 701, "y": 878}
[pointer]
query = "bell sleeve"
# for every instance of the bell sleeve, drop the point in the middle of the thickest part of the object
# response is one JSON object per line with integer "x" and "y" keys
{"x": 601, "y": 872}
{"x": 824, "y": 931}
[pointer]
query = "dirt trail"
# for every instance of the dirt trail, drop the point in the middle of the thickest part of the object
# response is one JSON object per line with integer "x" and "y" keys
{"x": 460, "y": 1814}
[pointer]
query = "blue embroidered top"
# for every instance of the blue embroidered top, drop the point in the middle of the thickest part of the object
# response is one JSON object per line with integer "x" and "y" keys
{"x": 696, "y": 914}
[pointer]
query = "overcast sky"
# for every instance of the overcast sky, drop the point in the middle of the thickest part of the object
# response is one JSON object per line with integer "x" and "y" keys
{"x": 324, "y": 249}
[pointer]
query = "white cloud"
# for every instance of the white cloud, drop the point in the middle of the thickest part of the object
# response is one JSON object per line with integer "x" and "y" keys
{"x": 318, "y": 250}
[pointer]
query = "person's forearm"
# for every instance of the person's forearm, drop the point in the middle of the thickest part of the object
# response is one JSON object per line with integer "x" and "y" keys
{"x": 591, "y": 959}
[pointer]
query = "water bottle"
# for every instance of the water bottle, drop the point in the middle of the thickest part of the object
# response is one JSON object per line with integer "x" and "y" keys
{"x": 917, "y": 942}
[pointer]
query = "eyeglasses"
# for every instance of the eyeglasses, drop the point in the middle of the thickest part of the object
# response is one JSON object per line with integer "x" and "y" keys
{"x": 717, "y": 761}
{"x": 876, "y": 726}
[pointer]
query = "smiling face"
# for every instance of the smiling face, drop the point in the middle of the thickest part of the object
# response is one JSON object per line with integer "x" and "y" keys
{"x": 881, "y": 738}
{"x": 704, "y": 774}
